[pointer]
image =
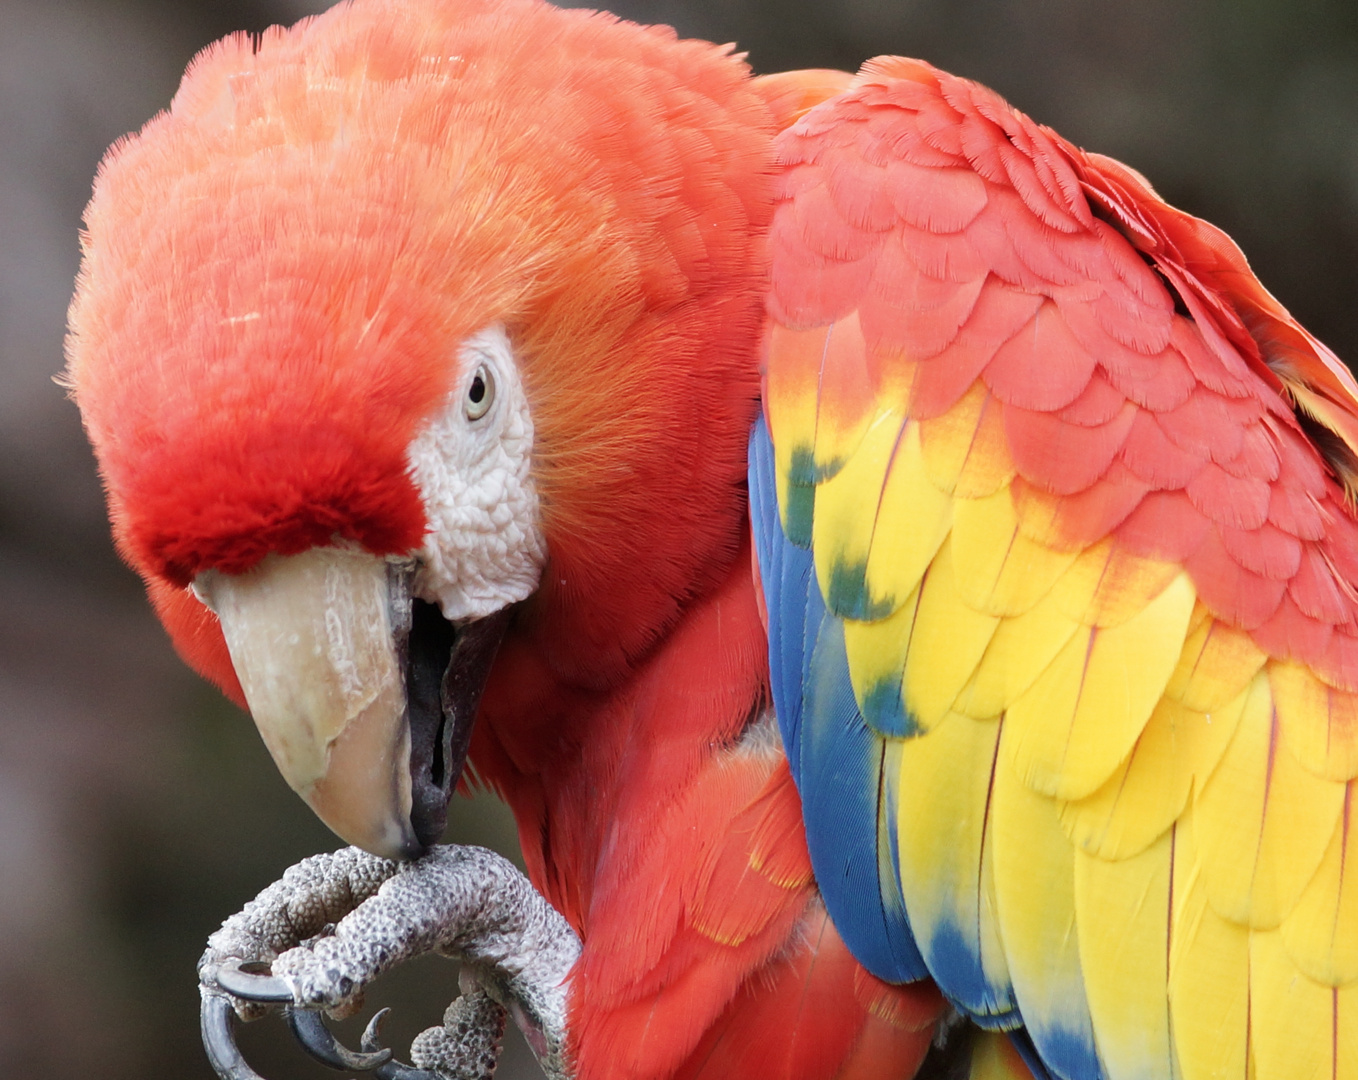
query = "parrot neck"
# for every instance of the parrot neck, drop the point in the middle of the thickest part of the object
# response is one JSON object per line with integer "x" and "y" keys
{"x": 576, "y": 764}
{"x": 643, "y": 493}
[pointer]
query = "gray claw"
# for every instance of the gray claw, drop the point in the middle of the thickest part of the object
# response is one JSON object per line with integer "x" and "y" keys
{"x": 243, "y": 984}
{"x": 219, "y": 1039}
{"x": 392, "y": 1070}
{"x": 372, "y": 1034}
{"x": 217, "y": 1018}
{"x": 318, "y": 1041}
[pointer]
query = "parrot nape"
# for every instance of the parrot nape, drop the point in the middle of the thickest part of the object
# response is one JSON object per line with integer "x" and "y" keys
{"x": 902, "y": 571}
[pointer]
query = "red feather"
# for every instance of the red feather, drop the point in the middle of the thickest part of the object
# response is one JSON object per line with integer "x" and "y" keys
{"x": 1042, "y": 367}
{"x": 1063, "y": 458}
{"x": 1156, "y": 459}
{"x": 1231, "y": 592}
{"x": 1165, "y": 525}
{"x": 1240, "y": 502}
{"x": 1290, "y": 633}
{"x": 942, "y": 380}
{"x": 1097, "y": 404}
{"x": 1264, "y": 550}
{"x": 794, "y": 1024}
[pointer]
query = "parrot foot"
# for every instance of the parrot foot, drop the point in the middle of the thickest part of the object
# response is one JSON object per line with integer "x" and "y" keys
{"x": 333, "y": 923}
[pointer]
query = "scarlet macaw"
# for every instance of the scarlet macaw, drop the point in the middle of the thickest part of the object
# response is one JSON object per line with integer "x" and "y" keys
{"x": 423, "y": 324}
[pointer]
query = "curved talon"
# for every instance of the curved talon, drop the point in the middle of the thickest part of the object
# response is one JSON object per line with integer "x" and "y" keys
{"x": 371, "y": 1041}
{"x": 319, "y": 1041}
{"x": 392, "y": 1070}
{"x": 242, "y": 984}
{"x": 216, "y": 1018}
{"x": 219, "y": 1040}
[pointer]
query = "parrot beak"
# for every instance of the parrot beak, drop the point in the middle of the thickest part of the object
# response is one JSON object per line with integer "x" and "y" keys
{"x": 364, "y": 697}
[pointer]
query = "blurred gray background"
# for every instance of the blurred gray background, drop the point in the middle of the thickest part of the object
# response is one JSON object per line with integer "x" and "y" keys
{"x": 137, "y": 808}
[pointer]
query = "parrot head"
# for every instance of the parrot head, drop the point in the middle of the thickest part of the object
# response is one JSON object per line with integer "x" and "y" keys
{"x": 410, "y": 327}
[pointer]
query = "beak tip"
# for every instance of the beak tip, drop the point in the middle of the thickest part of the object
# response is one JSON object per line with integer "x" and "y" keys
{"x": 383, "y": 830}
{"x": 409, "y": 851}
{"x": 397, "y": 842}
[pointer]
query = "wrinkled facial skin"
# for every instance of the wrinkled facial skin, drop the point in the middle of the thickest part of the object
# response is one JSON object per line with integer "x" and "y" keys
{"x": 484, "y": 549}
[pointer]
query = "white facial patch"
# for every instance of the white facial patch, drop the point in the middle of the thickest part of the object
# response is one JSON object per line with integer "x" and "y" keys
{"x": 484, "y": 549}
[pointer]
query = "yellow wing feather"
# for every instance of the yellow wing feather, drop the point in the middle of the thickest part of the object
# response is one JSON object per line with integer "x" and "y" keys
{"x": 966, "y": 453}
{"x": 1346, "y": 1024}
{"x": 791, "y": 400}
{"x": 1123, "y": 956}
{"x": 1288, "y": 1004}
{"x": 876, "y": 653}
{"x": 1106, "y": 586}
{"x": 1321, "y": 931}
{"x": 839, "y": 540}
{"x": 1149, "y": 791}
{"x": 1262, "y": 822}
{"x": 943, "y": 660}
{"x": 1082, "y": 716}
{"x": 1037, "y": 925}
{"x": 1020, "y": 650}
{"x": 1217, "y": 664}
{"x": 912, "y": 520}
{"x": 1302, "y": 700}
{"x": 999, "y": 570}
{"x": 1209, "y": 963}
{"x": 947, "y": 867}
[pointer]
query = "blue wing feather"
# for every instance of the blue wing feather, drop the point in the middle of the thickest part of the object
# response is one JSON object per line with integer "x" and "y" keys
{"x": 788, "y": 576}
{"x": 837, "y": 760}
{"x": 845, "y": 775}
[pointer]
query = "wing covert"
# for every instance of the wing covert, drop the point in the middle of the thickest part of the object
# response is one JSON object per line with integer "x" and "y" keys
{"x": 1063, "y": 497}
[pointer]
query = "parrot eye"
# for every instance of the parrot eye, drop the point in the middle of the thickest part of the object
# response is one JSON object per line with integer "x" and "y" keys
{"x": 480, "y": 394}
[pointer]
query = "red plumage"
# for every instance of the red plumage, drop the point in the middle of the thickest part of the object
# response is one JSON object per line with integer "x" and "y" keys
{"x": 801, "y": 1007}
{"x": 1046, "y": 345}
